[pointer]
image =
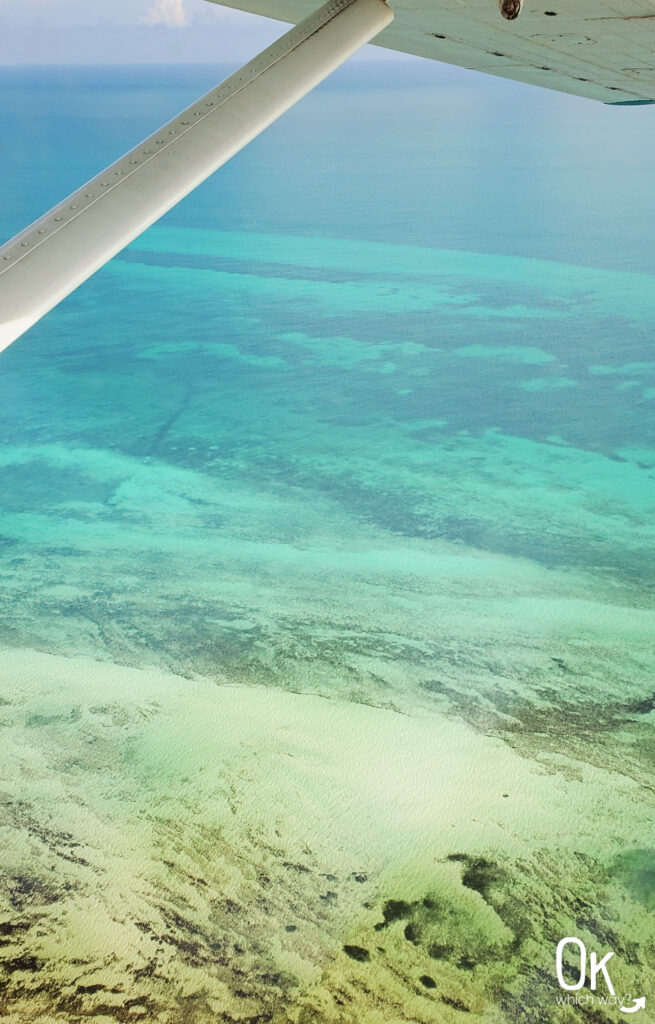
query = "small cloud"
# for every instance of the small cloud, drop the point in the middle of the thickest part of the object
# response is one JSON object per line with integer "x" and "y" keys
{"x": 166, "y": 12}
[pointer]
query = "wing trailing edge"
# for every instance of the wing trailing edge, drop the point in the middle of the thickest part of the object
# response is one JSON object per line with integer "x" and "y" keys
{"x": 600, "y": 49}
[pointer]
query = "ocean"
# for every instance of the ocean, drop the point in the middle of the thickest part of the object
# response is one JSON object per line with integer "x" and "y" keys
{"x": 326, "y": 522}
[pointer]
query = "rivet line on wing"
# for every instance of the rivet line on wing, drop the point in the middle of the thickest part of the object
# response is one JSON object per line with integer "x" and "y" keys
{"x": 83, "y": 200}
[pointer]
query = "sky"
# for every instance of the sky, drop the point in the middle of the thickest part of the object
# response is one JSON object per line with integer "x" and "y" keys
{"x": 131, "y": 32}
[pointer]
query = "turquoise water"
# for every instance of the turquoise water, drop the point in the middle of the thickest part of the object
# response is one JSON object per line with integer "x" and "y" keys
{"x": 370, "y": 416}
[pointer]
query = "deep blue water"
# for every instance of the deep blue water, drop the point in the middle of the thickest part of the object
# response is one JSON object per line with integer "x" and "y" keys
{"x": 370, "y": 415}
{"x": 405, "y": 152}
{"x": 444, "y": 277}
{"x": 425, "y": 296}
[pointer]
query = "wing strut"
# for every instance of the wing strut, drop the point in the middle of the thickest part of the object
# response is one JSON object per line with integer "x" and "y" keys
{"x": 48, "y": 260}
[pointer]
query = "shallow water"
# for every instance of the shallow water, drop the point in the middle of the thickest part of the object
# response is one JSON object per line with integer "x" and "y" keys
{"x": 365, "y": 449}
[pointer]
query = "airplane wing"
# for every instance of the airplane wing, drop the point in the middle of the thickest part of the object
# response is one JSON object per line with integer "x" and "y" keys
{"x": 49, "y": 259}
{"x": 600, "y": 49}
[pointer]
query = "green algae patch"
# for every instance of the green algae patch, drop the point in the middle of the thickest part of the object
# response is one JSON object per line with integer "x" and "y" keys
{"x": 189, "y": 821}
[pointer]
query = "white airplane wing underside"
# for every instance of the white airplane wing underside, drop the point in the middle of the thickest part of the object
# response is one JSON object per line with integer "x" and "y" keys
{"x": 601, "y": 49}
{"x": 595, "y": 48}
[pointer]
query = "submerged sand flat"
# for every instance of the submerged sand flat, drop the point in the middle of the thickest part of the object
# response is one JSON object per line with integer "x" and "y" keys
{"x": 191, "y": 850}
{"x": 326, "y": 669}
